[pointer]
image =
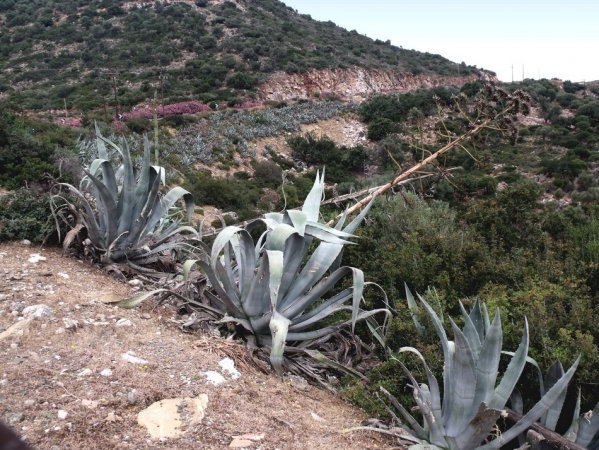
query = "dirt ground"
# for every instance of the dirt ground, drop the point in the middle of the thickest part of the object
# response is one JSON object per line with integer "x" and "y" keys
{"x": 56, "y": 393}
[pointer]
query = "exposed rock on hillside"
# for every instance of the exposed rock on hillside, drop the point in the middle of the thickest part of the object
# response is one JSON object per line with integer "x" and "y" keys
{"x": 351, "y": 82}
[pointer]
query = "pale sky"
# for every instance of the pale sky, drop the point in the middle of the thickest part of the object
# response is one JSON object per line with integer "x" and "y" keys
{"x": 545, "y": 38}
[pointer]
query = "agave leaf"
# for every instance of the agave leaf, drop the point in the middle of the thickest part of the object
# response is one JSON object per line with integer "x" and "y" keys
{"x": 588, "y": 426}
{"x": 278, "y": 237}
{"x": 550, "y": 418}
{"x": 314, "y": 293}
{"x": 311, "y": 205}
{"x": 350, "y": 229}
{"x": 140, "y": 218}
{"x": 488, "y": 364}
{"x": 257, "y": 302}
{"x": 464, "y": 385}
{"x": 536, "y": 365}
{"x": 315, "y": 268}
{"x": 486, "y": 316}
{"x": 166, "y": 203}
{"x": 275, "y": 262}
{"x": 572, "y": 432}
{"x": 324, "y": 235}
{"x": 477, "y": 319}
{"x": 319, "y": 312}
{"x": 106, "y": 202}
{"x": 315, "y": 334}
{"x": 471, "y": 333}
{"x": 512, "y": 373}
{"x": 448, "y": 360}
{"x": 298, "y": 219}
{"x": 102, "y": 153}
{"x": 413, "y": 307}
{"x": 358, "y": 286}
{"x": 333, "y": 364}
{"x": 125, "y": 204}
{"x": 415, "y": 427}
{"x": 222, "y": 239}
{"x": 233, "y": 308}
{"x": 294, "y": 252}
{"x": 278, "y": 328}
{"x": 132, "y": 302}
{"x": 435, "y": 427}
{"x": 435, "y": 394}
{"x": 536, "y": 412}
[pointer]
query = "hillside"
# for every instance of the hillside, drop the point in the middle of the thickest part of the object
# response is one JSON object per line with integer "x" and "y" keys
{"x": 79, "y": 52}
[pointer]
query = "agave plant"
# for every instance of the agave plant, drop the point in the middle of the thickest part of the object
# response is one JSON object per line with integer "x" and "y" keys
{"x": 465, "y": 416}
{"x": 265, "y": 289}
{"x": 584, "y": 429}
{"x": 128, "y": 219}
{"x": 274, "y": 289}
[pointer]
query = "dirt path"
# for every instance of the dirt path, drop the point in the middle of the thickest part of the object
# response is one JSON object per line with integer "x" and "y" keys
{"x": 56, "y": 391}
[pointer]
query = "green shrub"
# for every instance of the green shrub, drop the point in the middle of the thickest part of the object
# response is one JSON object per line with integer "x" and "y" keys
{"x": 381, "y": 127}
{"x": 25, "y": 215}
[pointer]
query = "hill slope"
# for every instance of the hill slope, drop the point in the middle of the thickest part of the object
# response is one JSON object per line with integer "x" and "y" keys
{"x": 80, "y": 52}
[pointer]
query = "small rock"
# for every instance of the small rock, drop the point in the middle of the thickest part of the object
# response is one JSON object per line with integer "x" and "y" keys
{"x": 214, "y": 377}
{"x": 71, "y": 324}
{"x": 124, "y": 323}
{"x": 146, "y": 316}
{"x": 89, "y": 404}
{"x": 14, "y": 345}
{"x": 35, "y": 258}
{"x": 317, "y": 417}
{"x": 170, "y": 417}
{"x": 16, "y": 418}
{"x": 85, "y": 373}
{"x": 29, "y": 402}
{"x": 228, "y": 365}
{"x": 64, "y": 275}
{"x": 298, "y": 382}
{"x": 106, "y": 373}
{"x": 38, "y": 312}
{"x": 240, "y": 443}
{"x": 112, "y": 417}
{"x": 134, "y": 282}
{"x": 130, "y": 357}
{"x": 25, "y": 242}
{"x": 59, "y": 330}
{"x": 62, "y": 414}
{"x": 132, "y": 398}
{"x": 3, "y": 297}
{"x": 18, "y": 306}
{"x": 18, "y": 329}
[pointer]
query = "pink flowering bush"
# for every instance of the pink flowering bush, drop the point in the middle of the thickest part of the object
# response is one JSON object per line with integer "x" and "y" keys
{"x": 191, "y": 107}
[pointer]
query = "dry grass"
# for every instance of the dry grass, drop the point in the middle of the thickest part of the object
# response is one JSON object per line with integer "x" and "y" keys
{"x": 42, "y": 366}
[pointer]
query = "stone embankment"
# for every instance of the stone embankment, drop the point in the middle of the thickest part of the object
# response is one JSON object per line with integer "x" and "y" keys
{"x": 352, "y": 82}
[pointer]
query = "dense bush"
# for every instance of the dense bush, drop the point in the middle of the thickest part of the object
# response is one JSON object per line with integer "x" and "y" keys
{"x": 25, "y": 214}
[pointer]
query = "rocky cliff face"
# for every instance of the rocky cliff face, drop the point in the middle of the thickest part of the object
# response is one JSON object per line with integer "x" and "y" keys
{"x": 351, "y": 82}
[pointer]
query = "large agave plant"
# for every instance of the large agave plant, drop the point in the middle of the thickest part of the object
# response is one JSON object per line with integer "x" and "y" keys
{"x": 264, "y": 287}
{"x": 126, "y": 217}
{"x": 464, "y": 417}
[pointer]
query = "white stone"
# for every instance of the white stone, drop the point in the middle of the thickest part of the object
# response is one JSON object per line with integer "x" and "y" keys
{"x": 228, "y": 365}
{"x": 62, "y": 414}
{"x": 38, "y": 312}
{"x": 170, "y": 418}
{"x": 106, "y": 373}
{"x": 130, "y": 357}
{"x": 214, "y": 377}
{"x": 124, "y": 323}
{"x": 64, "y": 275}
{"x": 85, "y": 372}
{"x": 35, "y": 258}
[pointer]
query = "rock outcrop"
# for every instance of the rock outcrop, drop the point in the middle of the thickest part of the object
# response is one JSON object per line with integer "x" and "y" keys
{"x": 352, "y": 82}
